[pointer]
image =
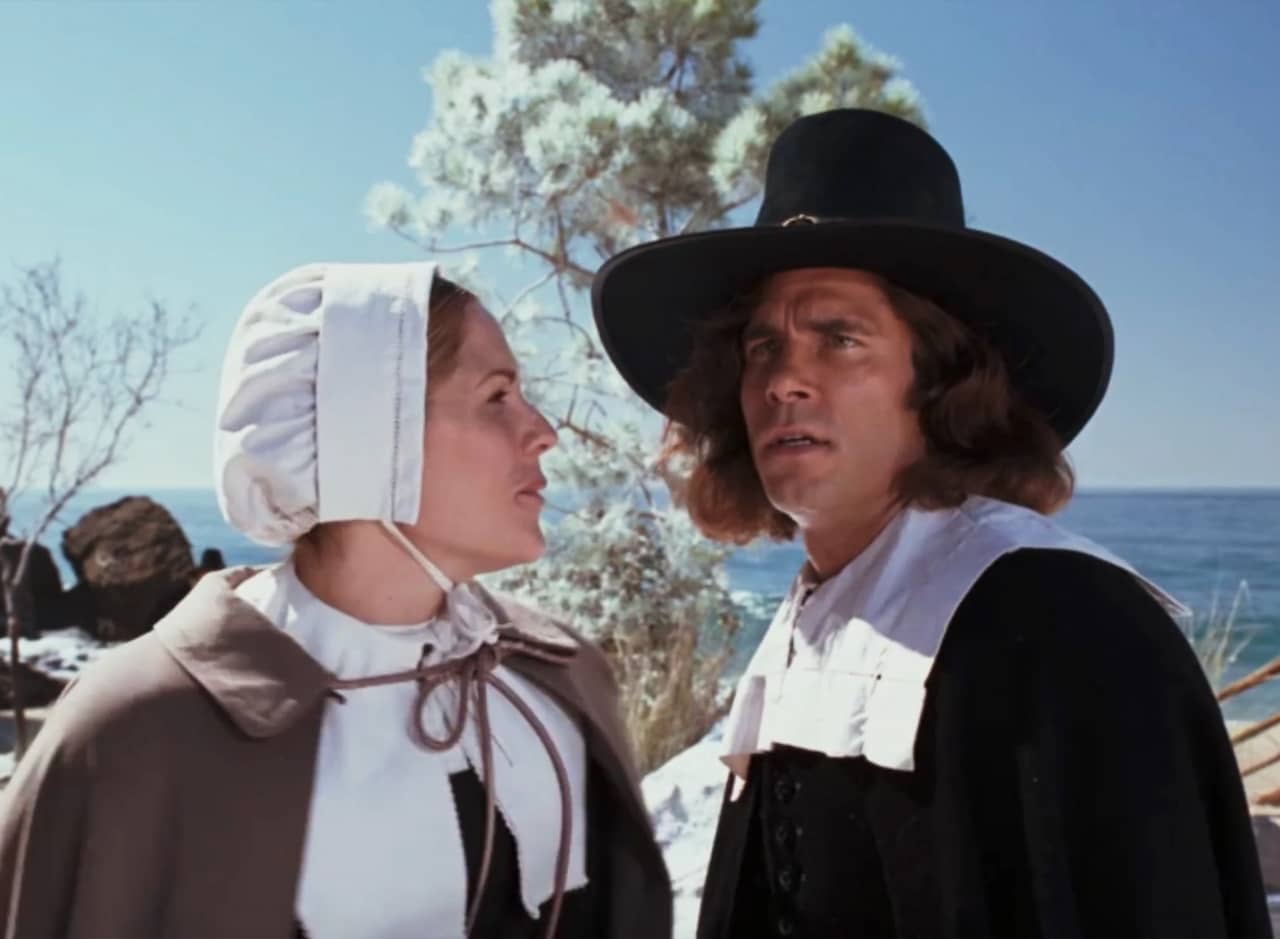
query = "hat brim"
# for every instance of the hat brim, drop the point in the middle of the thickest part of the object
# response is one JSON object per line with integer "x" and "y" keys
{"x": 1050, "y": 327}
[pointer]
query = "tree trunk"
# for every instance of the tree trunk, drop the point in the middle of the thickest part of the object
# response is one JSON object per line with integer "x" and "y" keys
{"x": 14, "y": 623}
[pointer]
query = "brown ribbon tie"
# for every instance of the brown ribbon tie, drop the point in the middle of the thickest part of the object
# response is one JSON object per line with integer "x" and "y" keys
{"x": 475, "y": 673}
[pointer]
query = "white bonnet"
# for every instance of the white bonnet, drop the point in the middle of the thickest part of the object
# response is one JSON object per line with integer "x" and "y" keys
{"x": 322, "y": 401}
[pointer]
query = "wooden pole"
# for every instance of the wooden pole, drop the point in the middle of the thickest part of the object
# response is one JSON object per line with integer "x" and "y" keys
{"x": 1248, "y": 733}
{"x": 1261, "y": 765}
{"x": 1270, "y": 670}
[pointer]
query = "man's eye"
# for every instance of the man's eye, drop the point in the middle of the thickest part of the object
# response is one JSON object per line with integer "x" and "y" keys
{"x": 499, "y": 396}
{"x": 760, "y": 350}
{"x": 843, "y": 340}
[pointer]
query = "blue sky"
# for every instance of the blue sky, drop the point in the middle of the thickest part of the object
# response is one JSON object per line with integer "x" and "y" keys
{"x": 193, "y": 151}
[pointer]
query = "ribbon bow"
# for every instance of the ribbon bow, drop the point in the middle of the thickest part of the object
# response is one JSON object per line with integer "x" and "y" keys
{"x": 469, "y": 624}
{"x": 469, "y": 654}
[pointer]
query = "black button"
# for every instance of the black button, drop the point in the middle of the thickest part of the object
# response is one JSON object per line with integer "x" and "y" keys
{"x": 788, "y": 878}
{"x": 784, "y": 835}
{"x": 784, "y": 788}
{"x": 786, "y": 925}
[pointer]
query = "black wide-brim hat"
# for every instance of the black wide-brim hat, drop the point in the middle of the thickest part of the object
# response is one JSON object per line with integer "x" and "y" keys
{"x": 861, "y": 189}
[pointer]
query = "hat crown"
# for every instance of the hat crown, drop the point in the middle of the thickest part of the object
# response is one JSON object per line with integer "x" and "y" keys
{"x": 886, "y": 199}
{"x": 851, "y": 164}
{"x": 322, "y": 400}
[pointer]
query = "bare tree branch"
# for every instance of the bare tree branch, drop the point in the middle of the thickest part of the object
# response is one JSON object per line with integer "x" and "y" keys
{"x": 529, "y": 290}
{"x": 81, "y": 384}
{"x": 697, "y": 218}
{"x": 561, "y": 263}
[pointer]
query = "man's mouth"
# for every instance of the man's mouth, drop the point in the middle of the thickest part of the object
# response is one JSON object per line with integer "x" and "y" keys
{"x": 793, "y": 440}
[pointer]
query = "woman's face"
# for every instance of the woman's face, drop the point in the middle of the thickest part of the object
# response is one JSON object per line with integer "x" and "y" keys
{"x": 481, "y": 481}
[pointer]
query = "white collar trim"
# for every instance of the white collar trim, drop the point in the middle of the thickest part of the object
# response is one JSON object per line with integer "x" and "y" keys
{"x": 843, "y": 672}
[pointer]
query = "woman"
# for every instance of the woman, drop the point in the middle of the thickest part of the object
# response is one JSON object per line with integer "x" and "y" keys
{"x": 359, "y": 740}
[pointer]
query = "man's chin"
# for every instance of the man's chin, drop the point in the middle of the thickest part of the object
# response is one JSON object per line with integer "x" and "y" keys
{"x": 793, "y": 497}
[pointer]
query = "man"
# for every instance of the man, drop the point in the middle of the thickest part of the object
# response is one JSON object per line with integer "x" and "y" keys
{"x": 963, "y": 720}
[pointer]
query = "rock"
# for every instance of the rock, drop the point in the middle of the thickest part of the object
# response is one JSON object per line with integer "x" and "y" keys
{"x": 211, "y": 560}
{"x": 40, "y": 598}
{"x": 134, "y": 563}
{"x": 38, "y": 689}
{"x": 78, "y": 609}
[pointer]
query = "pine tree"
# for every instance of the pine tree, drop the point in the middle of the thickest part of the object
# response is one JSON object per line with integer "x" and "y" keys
{"x": 592, "y": 126}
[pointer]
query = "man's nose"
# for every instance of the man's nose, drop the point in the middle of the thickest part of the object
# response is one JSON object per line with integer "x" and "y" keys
{"x": 789, "y": 378}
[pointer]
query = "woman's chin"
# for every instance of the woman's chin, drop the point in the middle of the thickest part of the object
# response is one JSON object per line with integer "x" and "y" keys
{"x": 523, "y": 546}
{"x": 535, "y": 545}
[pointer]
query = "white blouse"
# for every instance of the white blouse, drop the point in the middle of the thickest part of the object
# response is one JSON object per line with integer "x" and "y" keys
{"x": 384, "y": 853}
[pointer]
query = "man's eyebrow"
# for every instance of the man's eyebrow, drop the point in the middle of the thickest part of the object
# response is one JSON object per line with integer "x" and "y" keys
{"x": 504, "y": 372}
{"x": 841, "y": 324}
{"x": 826, "y": 325}
{"x": 757, "y": 330}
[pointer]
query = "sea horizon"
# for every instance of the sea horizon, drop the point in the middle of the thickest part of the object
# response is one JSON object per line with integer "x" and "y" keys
{"x": 1209, "y": 546}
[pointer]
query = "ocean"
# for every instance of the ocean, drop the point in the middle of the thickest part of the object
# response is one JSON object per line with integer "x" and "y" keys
{"x": 1210, "y": 549}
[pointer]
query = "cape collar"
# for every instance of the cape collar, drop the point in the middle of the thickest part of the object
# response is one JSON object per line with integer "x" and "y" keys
{"x": 260, "y": 676}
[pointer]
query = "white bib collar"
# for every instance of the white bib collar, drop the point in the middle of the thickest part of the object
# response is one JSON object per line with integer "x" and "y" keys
{"x": 841, "y": 670}
{"x": 380, "y": 801}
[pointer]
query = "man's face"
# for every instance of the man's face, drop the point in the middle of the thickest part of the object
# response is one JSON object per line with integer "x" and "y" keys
{"x": 826, "y": 373}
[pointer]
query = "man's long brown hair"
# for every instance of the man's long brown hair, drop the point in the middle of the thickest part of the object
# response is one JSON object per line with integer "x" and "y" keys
{"x": 980, "y": 437}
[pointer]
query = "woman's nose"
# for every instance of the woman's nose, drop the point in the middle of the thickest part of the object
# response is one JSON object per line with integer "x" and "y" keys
{"x": 542, "y": 436}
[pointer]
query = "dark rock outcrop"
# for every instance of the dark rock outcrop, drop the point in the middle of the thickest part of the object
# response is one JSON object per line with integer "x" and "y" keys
{"x": 38, "y": 689}
{"x": 40, "y": 599}
{"x": 133, "y": 563}
{"x": 211, "y": 560}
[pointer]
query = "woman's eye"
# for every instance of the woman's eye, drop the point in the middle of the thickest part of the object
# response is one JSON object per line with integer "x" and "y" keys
{"x": 499, "y": 395}
{"x": 759, "y": 350}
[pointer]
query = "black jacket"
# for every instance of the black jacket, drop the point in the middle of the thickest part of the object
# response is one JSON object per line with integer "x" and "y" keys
{"x": 1074, "y": 778}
